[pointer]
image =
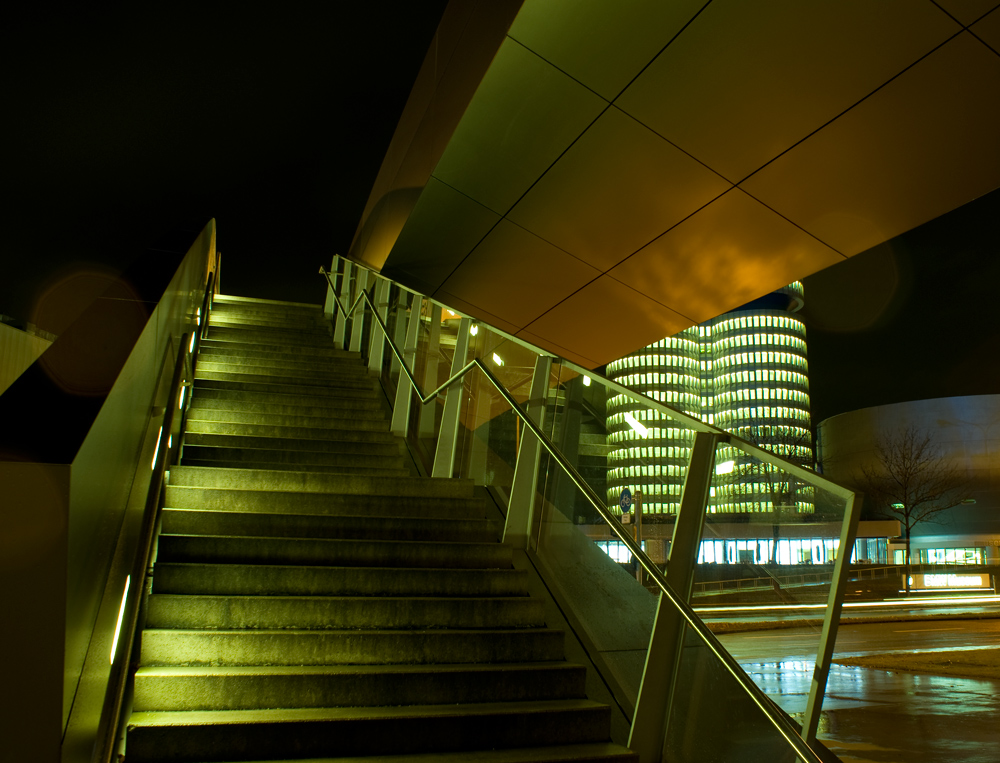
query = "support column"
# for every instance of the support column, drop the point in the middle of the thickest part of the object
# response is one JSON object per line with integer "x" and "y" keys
{"x": 517, "y": 528}
{"x": 377, "y": 345}
{"x": 824, "y": 653}
{"x": 329, "y": 309}
{"x": 399, "y": 332}
{"x": 444, "y": 455}
{"x": 652, "y": 709}
{"x": 344, "y": 295}
{"x": 404, "y": 391}
{"x": 428, "y": 413}
{"x": 358, "y": 319}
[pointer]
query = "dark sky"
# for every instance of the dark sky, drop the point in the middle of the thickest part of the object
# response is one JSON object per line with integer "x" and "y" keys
{"x": 124, "y": 120}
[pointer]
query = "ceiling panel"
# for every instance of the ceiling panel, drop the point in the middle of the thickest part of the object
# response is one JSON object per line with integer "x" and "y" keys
{"x": 444, "y": 226}
{"x": 603, "y": 45}
{"x": 724, "y": 255}
{"x": 988, "y": 30}
{"x": 923, "y": 145}
{"x": 745, "y": 81}
{"x": 611, "y": 316}
{"x": 457, "y": 303}
{"x": 968, "y": 11}
{"x": 523, "y": 116}
{"x": 563, "y": 352}
{"x": 517, "y": 276}
{"x": 614, "y": 191}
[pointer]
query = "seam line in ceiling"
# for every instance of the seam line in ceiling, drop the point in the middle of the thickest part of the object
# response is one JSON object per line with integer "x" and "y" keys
{"x": 660, "y": 51}
{"x": 855, "y": 104}
{"x": 964, "y": 26}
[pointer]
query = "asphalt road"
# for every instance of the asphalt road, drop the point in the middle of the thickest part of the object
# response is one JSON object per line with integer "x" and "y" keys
{"x": 877, "y": 715}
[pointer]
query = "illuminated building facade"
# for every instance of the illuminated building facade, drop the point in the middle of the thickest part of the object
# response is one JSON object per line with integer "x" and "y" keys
{"x": 746, "y": 372}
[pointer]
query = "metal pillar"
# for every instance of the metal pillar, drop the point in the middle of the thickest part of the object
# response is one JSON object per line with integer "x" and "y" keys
{"x": 649, "y": 723}
{"x": 377, "y": 346}
{"x": 358, "y": 319}
{"x": 444, "y": 454}
{"x": 329, "y": 309}
{"x": 404, "y": 392}
{"x": 522, "y": 493}
{"x": 399, "y": 332}
{"x": 343, "y": 294}
{"x": 428, "y": 413}
{"x": 824, "y": 652}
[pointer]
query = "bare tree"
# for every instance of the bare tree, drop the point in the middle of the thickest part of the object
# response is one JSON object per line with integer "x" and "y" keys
{"x": 910, "y": 481}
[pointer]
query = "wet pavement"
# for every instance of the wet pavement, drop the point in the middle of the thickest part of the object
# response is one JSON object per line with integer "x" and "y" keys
{"x": 885, "y": 716}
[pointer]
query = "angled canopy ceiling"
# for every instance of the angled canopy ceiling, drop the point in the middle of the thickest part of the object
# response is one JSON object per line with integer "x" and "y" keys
{"x": 593, "y": 176}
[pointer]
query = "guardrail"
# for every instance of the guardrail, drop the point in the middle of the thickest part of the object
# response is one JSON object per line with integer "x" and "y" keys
{"x": 781, "y": 723}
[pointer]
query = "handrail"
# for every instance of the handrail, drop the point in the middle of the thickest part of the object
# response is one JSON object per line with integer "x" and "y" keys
{"x": 107, "y": 742}
{"x": 783, "y": 725}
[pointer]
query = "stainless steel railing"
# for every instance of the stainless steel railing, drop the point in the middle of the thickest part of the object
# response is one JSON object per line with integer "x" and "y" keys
{"x": 781, "y": 723}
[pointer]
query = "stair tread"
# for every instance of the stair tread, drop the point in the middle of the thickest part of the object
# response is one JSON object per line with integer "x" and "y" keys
{"x": 298, "y": 714}
{"x": 587, "y": 751}
{"x": 338, "y": 670}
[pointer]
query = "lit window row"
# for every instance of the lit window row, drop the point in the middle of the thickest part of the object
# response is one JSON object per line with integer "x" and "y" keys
{"x": 722, "y": 346}
{"x": 746, "y": 358}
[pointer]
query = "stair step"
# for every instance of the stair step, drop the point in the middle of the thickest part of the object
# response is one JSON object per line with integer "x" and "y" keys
{"x": 340, "y": 612}
{"x": 308, "y": 322}
{"x": 331, "y": 356}
{"x": 366, "y": 419}
{"x": 216, "y": 399}
{"x": 251, "y": 688}
{"x": 594, "y": 752}
{"x": 370, "y": 471}
{"x": 303, "y": 580}
{"x": 269, "y": 337}
{"x": 282, "y": 361}
{"x": 371, "y": 449}
{"x": 291, "y": 457}
{"x": 325, "y": 503}
{"x": 245, "y": 523}
{"x": 310, "y": 482}
{"x": 299, "y": 373}
{"x": 280, "y": 388}
{"x": 261, "y": 302}
{"x": 248, "y": 376}
{"x": 310, "y": 732}
{"x": 335, "y": 552}
{"x": 360, "y": 431}
{"x": 349, "y": 647}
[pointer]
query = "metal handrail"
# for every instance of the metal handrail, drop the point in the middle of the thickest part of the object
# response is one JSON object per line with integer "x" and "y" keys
{"x": 112, "y": 720}
{"x": 783, "y": 725}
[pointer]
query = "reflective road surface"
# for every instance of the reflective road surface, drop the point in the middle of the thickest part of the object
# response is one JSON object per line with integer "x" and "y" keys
{"x": 882, "y": 716}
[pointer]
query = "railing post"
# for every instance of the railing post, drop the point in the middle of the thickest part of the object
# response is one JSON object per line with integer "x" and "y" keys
{"x": 358, "y": 319}
{"x": 428, "y": 413}
{"x": 343, "y": 290}
{"x": 444, "y": 454}
{"x": 329, "y": 309}
{"x": 377, "y": 346}
{"x": 831, "y": 621}
{"x": 652, "y": 708}
{"x": 399, "y": 332}
{"x": 404, "y": 392}
{"x": 517, "y": 528}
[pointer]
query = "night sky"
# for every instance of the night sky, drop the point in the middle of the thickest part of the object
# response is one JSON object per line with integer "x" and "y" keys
{"x": 125, "y": 120}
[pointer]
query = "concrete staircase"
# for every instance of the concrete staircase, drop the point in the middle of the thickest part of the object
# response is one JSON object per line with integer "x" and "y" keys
{"x": 313, "y": 598}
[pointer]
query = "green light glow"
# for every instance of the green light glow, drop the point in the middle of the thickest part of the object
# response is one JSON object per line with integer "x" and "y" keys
{"x": 156, "y": 451}
{"x": 121, "y": 614}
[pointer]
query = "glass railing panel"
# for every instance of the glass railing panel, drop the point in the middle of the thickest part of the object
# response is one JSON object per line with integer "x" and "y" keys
{"x": 490, "y": 432}
{"x": 767, "y": 562}
{"x": 707, "y": 699}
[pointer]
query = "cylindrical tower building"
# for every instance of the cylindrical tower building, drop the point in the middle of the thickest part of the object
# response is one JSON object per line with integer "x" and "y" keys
{"x": 647, "y": 451}
{"x": 760, "y": 379}
{"x": 745, "y": 372}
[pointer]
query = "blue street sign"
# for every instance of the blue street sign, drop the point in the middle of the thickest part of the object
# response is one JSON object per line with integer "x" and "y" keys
{"x": 625, "y": 501}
